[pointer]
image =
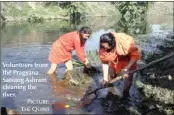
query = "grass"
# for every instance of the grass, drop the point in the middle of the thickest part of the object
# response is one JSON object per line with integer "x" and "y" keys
{"x": 92, "y": 57}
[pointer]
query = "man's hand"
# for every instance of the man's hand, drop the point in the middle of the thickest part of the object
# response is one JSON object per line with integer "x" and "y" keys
{"x": 125, "y": 76}
{"x": 124, "y": 73}
{"x": 106, "y": 83}
{"x": 116, "y": 79}
{"x": 88, "y": 65}
{"x": 87, "y": 69}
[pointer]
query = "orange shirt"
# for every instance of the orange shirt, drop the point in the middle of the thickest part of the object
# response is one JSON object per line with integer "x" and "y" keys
{"x": 124, "y": 52}
{"x": 62, "y": 48}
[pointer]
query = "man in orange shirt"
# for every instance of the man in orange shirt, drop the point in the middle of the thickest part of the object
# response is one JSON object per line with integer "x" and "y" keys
{"x": 118, "y": 54}
{"x": 61, "y": 51}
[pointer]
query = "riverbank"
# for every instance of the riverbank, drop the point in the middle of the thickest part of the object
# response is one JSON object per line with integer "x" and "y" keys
{"x": 155, "y": 84}
{"x": 24, "y": 11}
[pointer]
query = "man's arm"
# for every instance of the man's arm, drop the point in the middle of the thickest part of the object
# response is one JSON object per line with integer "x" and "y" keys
{"x": 130, "y": 64}
{"x": 80, "y": 51}
{"x": 134, "y": 57}
{"x": 105, "y": 68}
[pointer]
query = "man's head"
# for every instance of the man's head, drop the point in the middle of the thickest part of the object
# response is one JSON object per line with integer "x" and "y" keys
{"x": 85, "y": 32}
{"x": 107, "y": 41}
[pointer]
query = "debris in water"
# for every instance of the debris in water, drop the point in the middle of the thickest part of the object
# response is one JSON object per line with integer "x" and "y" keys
{"x": 67, "y": 106}
{"x": 58, "y": 106}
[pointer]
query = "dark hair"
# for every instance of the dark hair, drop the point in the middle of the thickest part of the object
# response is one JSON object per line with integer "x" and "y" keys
{"x": 108, "y": 38}
{"x": 85, "y": 30}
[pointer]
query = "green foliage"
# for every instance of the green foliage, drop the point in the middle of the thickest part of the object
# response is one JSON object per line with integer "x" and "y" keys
{"x": 75, "y": 7}
{"x": 34, "y": 19}
{"x": 133, "y": 20}
{"x": 93, "y": 57}
{"x": 24, "y": 10}
{"x": 101, "y": 9}
{"x": 133, "y": 9}
{"x": 51, "y": 3}
{"x": 17, "y": 11}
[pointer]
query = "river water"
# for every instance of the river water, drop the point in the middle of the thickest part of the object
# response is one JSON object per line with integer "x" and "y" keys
{"x": 30, "y": 43}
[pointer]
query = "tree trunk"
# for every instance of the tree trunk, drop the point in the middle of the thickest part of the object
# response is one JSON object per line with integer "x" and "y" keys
{"x": 2, "y": 18}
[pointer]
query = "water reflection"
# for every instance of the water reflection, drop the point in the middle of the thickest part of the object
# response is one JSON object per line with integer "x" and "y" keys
{"x": 67, "y": 98}
{"x": 132, "y": 27}
{"x": 132, "y": 21}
